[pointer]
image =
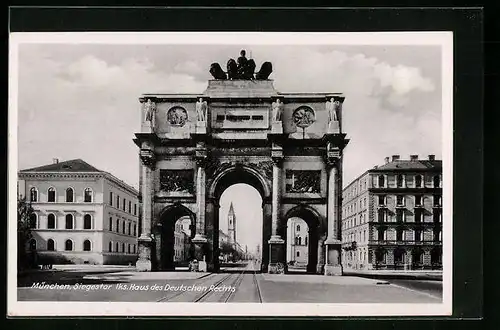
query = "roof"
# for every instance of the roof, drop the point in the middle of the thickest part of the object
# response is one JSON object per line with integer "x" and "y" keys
{"x": 410, "y": 165}
{"x": 78, "y": 166}
{"x": 74, "y": 165}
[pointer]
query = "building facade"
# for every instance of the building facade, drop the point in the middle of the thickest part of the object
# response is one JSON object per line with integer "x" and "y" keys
{"x": 182, "y": 240}
{"x": 81, "y": 214}
{"x": 298, "y": 237}
{"x": 288, "y": 146}
{"x": 392, "y": 216}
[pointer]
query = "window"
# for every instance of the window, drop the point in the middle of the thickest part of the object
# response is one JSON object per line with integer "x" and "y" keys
{"x": 129, "y": 207}
{"x": 128, "y": 248}
{"x": 51, "y": 195}
{"x": 436, "y": 216}
{"x": 381, "y": 200}
{"x": 33, "y": 195}
{"x": 68, "y": 245}
{"x": 123, "y": 247}
{"x": 117, "y": 225}
{"x": 69, "y": 221}
{"x": 400, "y": 215}
{"x": 51, "y": 245}
{"x": 32, "y": 244}
{"x": 116, "y": 247}
{"x": 381, "y": 216}
{"x": 418, "y": 235}
{"x": 87, "y": 221}
{"x": 135, "y": 209}
{"x": 129, "y": 228}
{"x": 298, "y": 253}
{"x": 400, "y": 181}
{"x": 117, "y": 202}
{"x": 134, "y": 248}
{"x": 418, "y": 181}
{"x": 399, "y": 235}
{"x": 437, "y": 181}
{"x": 86, "y": 245}
{"x": 110, "y": 246}
{"x": 381, "y": 181}
{"x": 437, "y": 200}
{"x": 69, "y": 195}
{"x": 306, "y": 241}
{"x": 32, "y": 221}
{"x": 298, "y": 227}
{"x": 381, "y": 234}
{"x": 51, "y": 221}
{"x": 296, "y": 240}
{"x": 123, "y": 227}
{"x": 418, "y": 200}
{"x": 300, "y": 240}
{"x": 135, "y": 229}
{"x": 111, "y": 198}
{"x": 87, "y": 195}
{"x": 400, "y": 200}
{"x": 418, "y": 215}
{"x": 124, "y": 204}
{"x": 110, "y": 223}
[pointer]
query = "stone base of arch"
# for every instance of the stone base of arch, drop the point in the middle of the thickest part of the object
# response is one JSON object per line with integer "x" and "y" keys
{"x": 277, "y": 264}
{"x": 145, "y": 246}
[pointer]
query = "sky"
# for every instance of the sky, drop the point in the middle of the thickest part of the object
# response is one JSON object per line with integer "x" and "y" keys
{"x": 81, "y": 100}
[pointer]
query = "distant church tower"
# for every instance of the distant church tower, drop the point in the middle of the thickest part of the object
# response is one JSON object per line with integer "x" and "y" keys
{"x": 231, "y": 225}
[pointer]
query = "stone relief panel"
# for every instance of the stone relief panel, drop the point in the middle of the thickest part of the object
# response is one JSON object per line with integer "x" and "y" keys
{"x": 178, "y": 181}
{"x": 303, "y": 181}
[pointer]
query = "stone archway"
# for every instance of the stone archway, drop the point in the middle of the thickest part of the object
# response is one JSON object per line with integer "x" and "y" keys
{"x": 234, "y": 174}
{"x": 313, "y": 220}
{"x": 164, "y": 233}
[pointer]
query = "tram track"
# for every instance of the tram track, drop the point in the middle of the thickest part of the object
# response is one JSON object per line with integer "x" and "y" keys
{"x": 218, "y": 290}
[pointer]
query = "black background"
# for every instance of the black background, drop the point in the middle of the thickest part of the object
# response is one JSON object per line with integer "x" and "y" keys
{"x": 467, "y": 25}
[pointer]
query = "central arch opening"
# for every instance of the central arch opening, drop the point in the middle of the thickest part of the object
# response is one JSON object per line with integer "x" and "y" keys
{"x": 240, "y": 228}
{"x": 240, "y": 239}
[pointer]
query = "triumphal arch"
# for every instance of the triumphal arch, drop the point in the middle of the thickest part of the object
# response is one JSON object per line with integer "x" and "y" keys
{"x": 288, "y": 146}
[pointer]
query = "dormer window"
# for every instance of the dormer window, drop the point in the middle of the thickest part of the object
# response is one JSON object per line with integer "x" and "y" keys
{"x": 437, "y": 181}
{"x": 381, "y": 181}
{"x": 400, "y": 181}
{"x": 418, "y": 181}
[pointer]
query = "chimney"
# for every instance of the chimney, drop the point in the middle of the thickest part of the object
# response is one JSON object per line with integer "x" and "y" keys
{"x": 395, "y": 157}
{"x": 432, "y": 157}
{"x": 55, "y": 160}
{"x": 386, "y": 160}
{"x": 413, "y": 157}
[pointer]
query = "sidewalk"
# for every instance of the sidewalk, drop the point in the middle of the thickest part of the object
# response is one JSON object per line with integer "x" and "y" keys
{"x": 431, "y": 275}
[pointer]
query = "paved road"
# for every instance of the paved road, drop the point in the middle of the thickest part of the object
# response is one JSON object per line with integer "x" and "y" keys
{"x": 434, "y": 288}
{"x": 238, "y": 285}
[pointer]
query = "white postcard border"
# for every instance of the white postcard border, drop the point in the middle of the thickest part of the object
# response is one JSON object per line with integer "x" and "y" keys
{"x": 24, "y": 308}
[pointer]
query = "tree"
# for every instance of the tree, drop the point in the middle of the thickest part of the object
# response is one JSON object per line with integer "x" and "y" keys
{"x": 24, "y": 212}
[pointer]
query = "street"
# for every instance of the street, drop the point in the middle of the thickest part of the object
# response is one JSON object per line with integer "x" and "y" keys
{"x": 242, "y": 284}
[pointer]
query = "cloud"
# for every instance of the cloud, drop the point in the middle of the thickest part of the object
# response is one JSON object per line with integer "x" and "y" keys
{"x": 188, "y": 67}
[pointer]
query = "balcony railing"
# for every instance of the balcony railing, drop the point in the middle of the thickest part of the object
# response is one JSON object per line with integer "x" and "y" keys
{"x": 403, "y": 242}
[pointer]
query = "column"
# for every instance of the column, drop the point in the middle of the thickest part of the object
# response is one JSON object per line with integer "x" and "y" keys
{"x": 277, "y": 262}
{"x": 333, "y": 264}
{"x": 199, "y": 240}
{"x": 321, "y": 255}
{"x": 145, "y": 241}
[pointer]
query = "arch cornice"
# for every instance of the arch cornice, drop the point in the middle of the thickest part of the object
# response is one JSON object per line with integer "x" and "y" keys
{"x": 264, "y": 188}
{"x": 300, "y": 209}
